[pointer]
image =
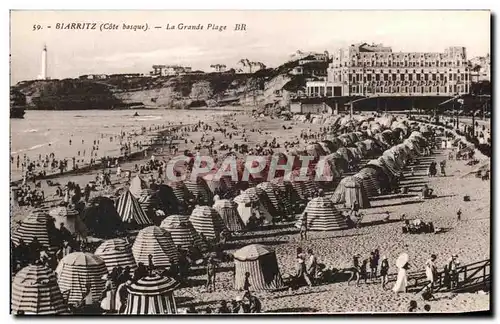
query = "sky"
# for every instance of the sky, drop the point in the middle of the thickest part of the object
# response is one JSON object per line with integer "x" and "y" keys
{"x": 270, "y": 37}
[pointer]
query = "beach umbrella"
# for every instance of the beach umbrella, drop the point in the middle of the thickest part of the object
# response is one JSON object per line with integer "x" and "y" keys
{"x": 101, "y": 218}
{"x": 137, "y": 184}
{"x": 116, "y": 253}
{"x": 35, "y": 291}
{"x": 77, "y": 272}
{"x": 260, "y": 262}
{"x": 228, "y": 211}
{"x": 368, "y": 177}
{"x": 37, "y": 224}
{"x": 149, "y": 202}
{"x": 155, "y": 241}
{"x": 70, "y": 217}
{"x": 180, "y": 191}
{"x": 402, "y": 259}
{"x": 130, "y": 210}
{"x": 208, "y": 222}
{"x": 152, "y": 295}
{"x": 322, "y": 216}
{"x": 183, "y": 233}
{"x": 350, "y": 191}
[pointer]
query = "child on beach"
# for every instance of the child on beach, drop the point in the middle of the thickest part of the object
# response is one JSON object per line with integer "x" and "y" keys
{"x": 246, "y": 284}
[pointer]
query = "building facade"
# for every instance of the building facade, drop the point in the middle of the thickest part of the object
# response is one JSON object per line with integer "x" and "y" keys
{"x": 169, "y": 70}
{"x": 374, "y": 70}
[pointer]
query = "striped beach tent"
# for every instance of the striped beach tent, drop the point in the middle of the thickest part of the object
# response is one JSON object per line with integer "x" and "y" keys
{"x": 208, "y": 222}
{"x": 158, "y": 242}
{"x": 137, "y": 184}
{"x": 37, "y": 224}
{"x": 35, "y": 291}
{"x": 368, "y": 177}
{"x": 152, "y": 295}
{"x": 263, "y": 198}
{"x": 228, "y": 211}
{"x": 276, "y": 203}
{"x": 116, "y": 253}
{"x": 199, "y": 188}
{"x": 286, "y": 194}
{"x": 101, "y": 217}
{"x": 79, "y": 270}
{"x": 349, "y": 191}
{"x": 169, "y": 201}
{"x": 262, "y": 265}
{"x": 130, "y": 210}
{"x": 149, "y": 202}
{"x": 183, "y": 233}
{"x": 322, "y": 216}
{"x": 180, "y": 191}
{"x": 70, "y": 217}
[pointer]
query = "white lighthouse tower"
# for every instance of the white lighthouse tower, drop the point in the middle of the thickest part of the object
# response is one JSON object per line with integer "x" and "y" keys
{"x": 43, "y": 75}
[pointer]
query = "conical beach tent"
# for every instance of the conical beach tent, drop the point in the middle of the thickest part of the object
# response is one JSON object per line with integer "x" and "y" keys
{"x": 228, "y": 211}
{"x": 37, "y": 224}
{"x": 208, "y": 222}
{"x": 116, "y": 253}
{"x": 183, "y": 233}
{"x": 101, "y": 217}
{"x": 152, "y": 295}
{"x": 323, "y": 216}
{"x": 156, "y": 241}
{"x": 130, "y": 210}
{"x": 78, "y": 270}
{"x": 262, "y": 265}
{"x": 35, "y": 291}
{"x": 70, "y": 217}
{"x": 350, "y": 191}
{"x": 137, "y": 185}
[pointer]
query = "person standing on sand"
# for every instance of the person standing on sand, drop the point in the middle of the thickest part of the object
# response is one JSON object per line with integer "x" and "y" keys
{"x": 431, "y": 271}
{"x": 402, "y": 280}
{"x": 303, "y": 227}
{"x": 355, "y": 269}
{"x": 384, "y": 271}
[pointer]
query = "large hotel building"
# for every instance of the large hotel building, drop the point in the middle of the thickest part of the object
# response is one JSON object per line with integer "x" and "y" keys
{"x": 375, "y": 70}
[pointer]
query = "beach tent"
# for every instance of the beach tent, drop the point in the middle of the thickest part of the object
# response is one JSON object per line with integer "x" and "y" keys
{"x": 262, "y": 265}
{"x": 380, "y": 166}
{"x": 263, "y": 199}
{"x": 180, "y": 191}
{"x": 116, "y": 253}
{"x": 214, "y": 184}
{"x": 130, "y": 210}
{"x": 208, "y": 222}
{"x": 70, "y": 217}
{"x": 101, "y": 218}
{"x": 158, "y": 242}
{"x": 345, "y": 153}
{"x": 305, "y": 188}
{"x": 35, "y": 291}
{"x": 247, "y": 203}
{"x": 270, "y": 192}
{"x": 137, "y": 185}
{"x": 322, "y": 216}
{"x": 315, "y": 150}
{"x": 328, "y": 146}
{"x": 37, "y": 224}
{"x": 183, "y": 233}
{"x": 349, "y": 191}
{"x": 199, "y": 188}
{"x": 286, "y": 194}
{"x": 78, "y": 270}
{"x": 368, "y": 177}
{"x": 149, "y": 202}
{"x": 173, "y": 202}
{"x": 338, "y": 162}
{"x": 152, "y": 295}
{"x": 228, "y": 211}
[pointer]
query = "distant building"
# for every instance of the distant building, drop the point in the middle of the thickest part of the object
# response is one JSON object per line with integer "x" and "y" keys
{"x": 246, "y": 66}
{"x": 169, "y": 70}
{"x": 481, "y": 67}
{"x": 371, "y": 70}
{"x": 304, "y": 57}
{"x": 93, "y": 77}
{"x": 218, "y": 68}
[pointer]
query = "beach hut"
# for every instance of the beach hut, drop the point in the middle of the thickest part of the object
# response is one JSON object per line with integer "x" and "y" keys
{"x": 79, "y": 271}
{"x": 270, "y": 192}
{"x": 208, "y": 222}
{"x": 130, "y": 210}
{"x": 137, "y": 184}
{"x": 183, "y": 233}
{"x": 246, "y": 204}
{"x": 70, "y": 217}
{"x": 368, "y": 177}
{"x": 101, "y": 218}
{"x": 350, "y": 191}
{"x": 173, "y": 201}
{"x": 228, "y": 211}
{"x": 322, "y": 216}
{"x": 152, "y": 295}
{"x": 198, "y": 188}
{"x": 37, "y": 224}
{"x": 285, "y": 194}
{"x": 262, "y": 265}
{"x": 263, "y": 199}
{"x": 35, "y": 291}
{"x": 158, "y": 242}
{"x": 116, "y": 253}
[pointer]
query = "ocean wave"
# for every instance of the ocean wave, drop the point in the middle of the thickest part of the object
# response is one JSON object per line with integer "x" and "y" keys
{"x": 34, "y": 147}
{"x": 33, "y": 130}
{"x": 146, "y": 118}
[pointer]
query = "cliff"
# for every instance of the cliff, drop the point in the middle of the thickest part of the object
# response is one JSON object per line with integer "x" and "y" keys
{"x": 268, "y": 87}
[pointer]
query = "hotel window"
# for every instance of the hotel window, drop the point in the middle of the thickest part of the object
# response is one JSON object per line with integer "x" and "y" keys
{"x": 433, "y": 77}
{"x": 394, "y": 77}
{"x": 441, "y": 76}
{"x": 397, "y": 89}
{"x": 402, "y": 76}
{"x": 369, "y": 77}
{"x": 426, "y": 77}
{"x": 418, "y": 77}
{"x": 454, "y": 77}
{"x": 353, "y": 89}
{"x": 386, "y": 77}
{"x": 377, "y": 77}
{"x": 445, "y": 88}
{"x": 410, "y": 77}
{"x": 422, "y": 89}
{"x": 466, "y": 77}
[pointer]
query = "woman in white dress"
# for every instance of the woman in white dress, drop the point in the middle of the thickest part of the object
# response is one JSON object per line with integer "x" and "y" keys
{"x": 402, "y": 280}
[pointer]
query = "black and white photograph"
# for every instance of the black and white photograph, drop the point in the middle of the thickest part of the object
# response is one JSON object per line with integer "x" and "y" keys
{"x": 225, "y": 162}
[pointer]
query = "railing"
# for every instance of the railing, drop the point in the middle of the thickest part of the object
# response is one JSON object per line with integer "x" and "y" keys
{"x": 465, "y": 277}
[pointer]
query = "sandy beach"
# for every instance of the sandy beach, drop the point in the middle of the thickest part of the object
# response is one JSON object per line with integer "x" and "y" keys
{"x": 469, "y": 238}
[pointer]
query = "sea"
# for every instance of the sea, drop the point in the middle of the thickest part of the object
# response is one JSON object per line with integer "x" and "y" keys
{"x": 45, "y": 132}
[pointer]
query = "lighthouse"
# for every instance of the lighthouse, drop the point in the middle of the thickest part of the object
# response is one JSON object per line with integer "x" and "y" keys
{"x": 43, "y": 75}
